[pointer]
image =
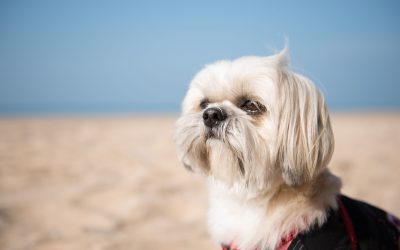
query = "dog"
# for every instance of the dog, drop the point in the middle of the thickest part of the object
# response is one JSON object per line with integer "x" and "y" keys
{"x": 261, "y": 135}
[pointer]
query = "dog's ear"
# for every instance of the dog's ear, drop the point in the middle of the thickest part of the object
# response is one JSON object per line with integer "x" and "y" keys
{"x": 305, "y": 140}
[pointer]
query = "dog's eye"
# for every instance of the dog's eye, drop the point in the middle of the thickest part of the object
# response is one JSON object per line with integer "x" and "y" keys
{"x": 204, "y": 103}
{"x": 252, "y": 107}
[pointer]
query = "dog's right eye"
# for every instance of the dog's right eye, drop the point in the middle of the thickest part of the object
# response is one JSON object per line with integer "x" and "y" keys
{"x": 253, "y": 107}
{"x": 204, "y": 104}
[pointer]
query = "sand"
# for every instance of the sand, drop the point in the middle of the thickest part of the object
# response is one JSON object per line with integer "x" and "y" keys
{"x": 115, "y": 182}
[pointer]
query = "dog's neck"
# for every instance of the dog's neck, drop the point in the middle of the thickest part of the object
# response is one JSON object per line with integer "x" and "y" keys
{"x": 251, "y": 220}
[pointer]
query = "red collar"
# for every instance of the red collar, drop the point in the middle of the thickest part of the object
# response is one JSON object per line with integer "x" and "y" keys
{"x": 284, "y": 245}
{"x": 348, "y": 224}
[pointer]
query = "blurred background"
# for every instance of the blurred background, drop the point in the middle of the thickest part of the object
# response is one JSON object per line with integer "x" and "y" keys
{"x": 89, "y": 91}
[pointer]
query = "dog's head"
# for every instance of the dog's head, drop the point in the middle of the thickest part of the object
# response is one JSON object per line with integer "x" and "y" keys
{"x": 253, "y": 121}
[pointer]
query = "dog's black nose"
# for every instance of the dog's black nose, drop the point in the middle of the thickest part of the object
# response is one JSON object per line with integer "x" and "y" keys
{"x": 213, "y": 116}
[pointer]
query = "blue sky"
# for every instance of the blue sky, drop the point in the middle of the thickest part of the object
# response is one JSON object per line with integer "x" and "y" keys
{"x": 131, "y": 56}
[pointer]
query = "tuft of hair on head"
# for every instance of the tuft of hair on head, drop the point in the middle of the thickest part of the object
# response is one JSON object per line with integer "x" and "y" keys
{"x": 305, "y": 139}
{"x": 280, "y": 59}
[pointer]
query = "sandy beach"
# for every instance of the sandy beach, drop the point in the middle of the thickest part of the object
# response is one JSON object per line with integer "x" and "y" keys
{"x": 114, "y": 183}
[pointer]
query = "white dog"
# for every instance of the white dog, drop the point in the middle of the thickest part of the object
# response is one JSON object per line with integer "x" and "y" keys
{"x": 261, "y": 135}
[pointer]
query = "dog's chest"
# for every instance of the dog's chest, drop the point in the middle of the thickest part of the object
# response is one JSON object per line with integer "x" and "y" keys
{"x": 232, "y": 217}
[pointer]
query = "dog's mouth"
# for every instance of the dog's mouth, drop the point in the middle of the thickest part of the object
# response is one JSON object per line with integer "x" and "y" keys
{"x": 218, "y": 132}
{"x": 211, "y": 134}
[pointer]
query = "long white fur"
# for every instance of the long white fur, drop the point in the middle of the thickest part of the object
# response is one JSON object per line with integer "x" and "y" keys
{"x": 267, "y": 175}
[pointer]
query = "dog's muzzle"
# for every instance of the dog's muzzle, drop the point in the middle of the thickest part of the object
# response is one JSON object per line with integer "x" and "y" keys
{"x": 212, "y": 117}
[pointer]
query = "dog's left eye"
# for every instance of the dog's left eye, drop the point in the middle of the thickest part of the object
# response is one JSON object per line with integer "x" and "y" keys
{"x": 204, "y": 103}
{"x": 251, "y": 107}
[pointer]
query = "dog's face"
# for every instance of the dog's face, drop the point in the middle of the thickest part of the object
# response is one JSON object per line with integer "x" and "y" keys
{"x": 253, "y": 122}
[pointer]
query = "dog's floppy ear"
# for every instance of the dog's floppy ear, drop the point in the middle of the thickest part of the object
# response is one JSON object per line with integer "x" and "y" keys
{"x": 305, "y": 140}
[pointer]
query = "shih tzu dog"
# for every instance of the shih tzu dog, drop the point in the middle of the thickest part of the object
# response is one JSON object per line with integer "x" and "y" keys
{"x": 262, "y": 137}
